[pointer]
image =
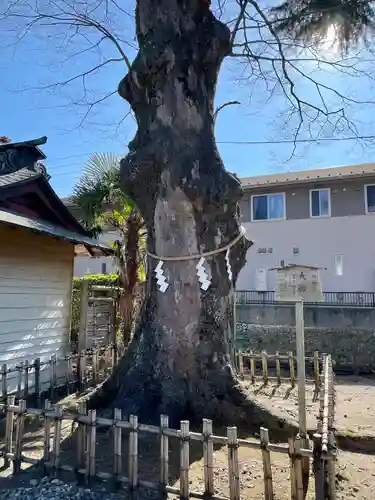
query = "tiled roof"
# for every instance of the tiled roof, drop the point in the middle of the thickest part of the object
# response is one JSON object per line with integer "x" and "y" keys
{"x": 323, "y": 174}
{"x": 18, "y": 176}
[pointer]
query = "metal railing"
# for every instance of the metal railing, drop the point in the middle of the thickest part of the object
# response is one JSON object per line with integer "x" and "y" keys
{"x": 359, "y": 299}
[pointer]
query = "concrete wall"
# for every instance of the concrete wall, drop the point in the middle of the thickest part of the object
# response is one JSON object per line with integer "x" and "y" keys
{"x": 348, "y": 333}
{"x": 317, "y": 241}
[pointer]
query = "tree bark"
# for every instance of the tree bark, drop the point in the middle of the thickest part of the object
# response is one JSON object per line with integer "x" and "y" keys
{"x": 181, "y": 359}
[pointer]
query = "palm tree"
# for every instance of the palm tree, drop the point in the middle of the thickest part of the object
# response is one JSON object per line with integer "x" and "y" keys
{"x": 103, "y": 204}
{"x": 310, "y": 20}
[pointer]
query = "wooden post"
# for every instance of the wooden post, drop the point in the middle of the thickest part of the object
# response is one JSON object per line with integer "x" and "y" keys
{"x": 53, "y": 378}
{"x": 298, "y": 468}
{"x": 20, "y": 423}
{"x": 91, "y": 444}
{"x": 4, "y": 382}
{"x": 117, "y": 443}
{"x": 278, "y": 369}
{"x": 316, "y": 373}
{"x": 133, "y": 452}
{"x": 81, "y": 438}
{"x": 84, "y": 304}
{"x": 292, "y": 461}
{"x": 26, "y": 377}
{"x": 208, "y": 457}
{"x": 300, "y": 341}
{"x": 37, "y": 381}
{"x": 240, "y": 364}
{"x": 265, "y": 367}
{"x": 95, "y": 366}
{"x": 267, "y": 470}
{"x": 47, "y": 432}
{"x": 318, "y": 467}
{"x": 331, "y": 467}
{"x": 252, "y": 367}
{"x": 57, "y": 439}
{"x": 19, "y": 380}
{"x": 82, "y": 369}
{"x": 9, "y": 425}
{"x": 184, "y": 459}
{"x": 164, "y": 452}
{"x": 233, "y": 467}
{"x": 291, "y": 369}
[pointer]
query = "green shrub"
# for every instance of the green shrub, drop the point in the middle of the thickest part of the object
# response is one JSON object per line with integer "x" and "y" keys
{"x": 93, "y": 279}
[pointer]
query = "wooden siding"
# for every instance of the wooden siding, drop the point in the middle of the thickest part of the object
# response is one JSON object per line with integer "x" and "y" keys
{"x": 35, "y": 297}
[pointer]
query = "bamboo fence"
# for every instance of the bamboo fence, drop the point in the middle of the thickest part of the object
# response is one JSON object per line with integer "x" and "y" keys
{"x": 125, "y": 468}
{"x": 256, "y": 366}
{"x": 76, "y": 371}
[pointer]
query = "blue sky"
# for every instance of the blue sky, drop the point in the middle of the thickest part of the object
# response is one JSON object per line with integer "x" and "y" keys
{"x": 29, "y": 111}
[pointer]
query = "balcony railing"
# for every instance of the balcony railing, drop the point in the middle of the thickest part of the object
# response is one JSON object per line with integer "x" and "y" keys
{"x": 360, "y": 299}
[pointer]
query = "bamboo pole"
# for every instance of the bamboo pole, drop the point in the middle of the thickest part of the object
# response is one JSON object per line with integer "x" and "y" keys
{"x": 57, "y": 439}
{"x": 84, "y": 304}
{"x": 95, "y": 366}
{"x": 20, "y": 423}
{"x": 291, "y": 369}
{"x": 278, "y": 369}
{"x": 208, "y": 457}
{"x": 267, "y": 469}
{"x": 233, "y": 467}
{"x": 265, "y": 367}
{"x": 133, "y": 452}
{"x": 252, "y": 367}
{"x": 184, "y": 459}
{"x": 117, "y": 443}
{"x": 9, "y": 426}
{"x": 47, "y": 432}
{"x": 164, "y": 452}
{"x": 331, "y": 467}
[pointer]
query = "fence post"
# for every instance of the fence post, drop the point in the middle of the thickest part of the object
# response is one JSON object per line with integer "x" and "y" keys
{"x": 26, "y": 376}
{"x": 300, "y": 341}
{"x": 37, "y": 381}
{"x": 252, "y": 367}
{"x": 91, "y": 444}
{"x": 267, "y": 470}
{"x": 84, "y": 303}
{"x": 133, "y": 452}
{"x": 208, "y": 455}
{"x": 47, "y": 433}
{"x": 4, "y": 383}
{"x": 19, "y": 379}
{"x": 291, "y": 369}
{"x": 9, "y": 425}
{"x": 240, "y": 364}
{"x": 265, "y": 367}
{"x": 318, "y": 467}
{"x": 117, "y": 443}
{"x": 20, "y": 423}
{"x": 184, "y": 460}
{"x": 278, "y": 369}
{"x": 57, "y": 438}
{"x": 233, "y": 468}
{"x": 164, "y": 452}
{"x": 292, "y": 461}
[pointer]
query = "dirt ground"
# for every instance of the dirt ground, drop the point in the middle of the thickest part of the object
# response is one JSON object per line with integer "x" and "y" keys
{"x": 355, "y": 472}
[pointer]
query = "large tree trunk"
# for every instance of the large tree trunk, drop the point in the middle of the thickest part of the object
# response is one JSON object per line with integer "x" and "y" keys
{"x": 181, "y": 360}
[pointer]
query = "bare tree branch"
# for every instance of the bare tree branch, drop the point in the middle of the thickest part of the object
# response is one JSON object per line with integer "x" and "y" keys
{"x": 217, "y": 111}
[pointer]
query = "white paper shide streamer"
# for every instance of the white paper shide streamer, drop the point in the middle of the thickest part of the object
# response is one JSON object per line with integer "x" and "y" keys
{"x": 229, "y": 268}
{"x": 202, "y": 274}
{"x": 161, "y": 280}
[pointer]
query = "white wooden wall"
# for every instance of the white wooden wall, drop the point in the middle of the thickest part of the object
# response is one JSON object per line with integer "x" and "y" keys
{"x": 35, "y": 298}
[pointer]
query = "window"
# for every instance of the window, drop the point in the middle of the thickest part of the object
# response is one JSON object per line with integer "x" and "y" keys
{"x": 268, "y": 207}
{"x": 320, "y": 203}
{"x": 339, "y": 264}
{"x": 370, "y": 199}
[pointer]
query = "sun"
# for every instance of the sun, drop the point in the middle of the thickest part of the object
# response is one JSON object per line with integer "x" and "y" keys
{"x": 329, "y": 44}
